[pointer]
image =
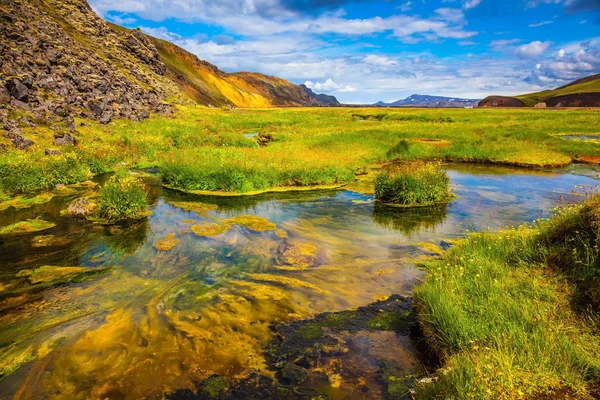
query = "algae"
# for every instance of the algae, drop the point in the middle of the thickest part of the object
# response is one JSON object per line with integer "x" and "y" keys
{"x": 27, "y": 226}
{"x": 255, "y": 223}
{"x": 167, "y": 243}
{"x": 209, "y": 229}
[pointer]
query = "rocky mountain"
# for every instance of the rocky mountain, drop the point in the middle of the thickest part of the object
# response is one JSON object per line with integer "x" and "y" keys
{"x": 58, "y": 60}
{"x": 420, "y": 100}
{"x": 584, "y": 92}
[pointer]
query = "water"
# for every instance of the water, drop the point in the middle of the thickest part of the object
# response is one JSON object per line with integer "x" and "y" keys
{"x": 590, "y": 138}
{"x": 150, "y": 321}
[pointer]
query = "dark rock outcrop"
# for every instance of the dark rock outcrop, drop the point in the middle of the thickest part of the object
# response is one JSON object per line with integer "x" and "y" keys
{"x": 574, "y": 100}
{"x": 17, "y": 90}
{"x": 501, "y": 101}
{"x": 64, "y": 139}
{"x": 19, "y": 141}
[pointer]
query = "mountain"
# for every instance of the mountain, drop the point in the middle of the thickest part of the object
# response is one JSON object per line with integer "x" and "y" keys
{"x": 58, "y": 60}
{"x": 584, "y": 92}
{"x": 420, "y": 100}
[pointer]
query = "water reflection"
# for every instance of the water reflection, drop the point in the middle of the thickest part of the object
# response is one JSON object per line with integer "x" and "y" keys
{"x": 156, "y": 320}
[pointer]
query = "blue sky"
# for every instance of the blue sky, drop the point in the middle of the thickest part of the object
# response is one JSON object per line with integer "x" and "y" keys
{"x": 365, "y": 51}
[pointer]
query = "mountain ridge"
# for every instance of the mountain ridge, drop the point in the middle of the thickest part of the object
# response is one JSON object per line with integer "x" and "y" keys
{"x": 423, "y": 100}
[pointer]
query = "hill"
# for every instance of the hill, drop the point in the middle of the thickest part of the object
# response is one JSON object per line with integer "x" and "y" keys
{"x": 59, "y": 60}
{"x": 584, "y": 92}
{"x": 420, "y": 100}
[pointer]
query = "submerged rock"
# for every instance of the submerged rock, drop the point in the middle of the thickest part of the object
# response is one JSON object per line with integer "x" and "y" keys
{"x": 81, "y": 207}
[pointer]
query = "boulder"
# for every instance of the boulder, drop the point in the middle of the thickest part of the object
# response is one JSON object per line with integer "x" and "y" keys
{"x": 17, "y": 90}
{"x": 52, "y": 152}
{"x": 19, "y": 141}
{"x": 4, "y": 96}
{"x": 64, "y": 139}
{"x": 81, "y": 207}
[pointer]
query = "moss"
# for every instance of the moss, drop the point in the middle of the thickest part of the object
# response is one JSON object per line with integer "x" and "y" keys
{"x": 167, "y": 243}
{"x": 49, "y": 240}
{"x": 214, "y": 386}
{"x": 255, "y": 223}
{"x": 390, "y": 320}
{"x": 27, "y": 226}
{"x": 209, "y": 229}
{"x": 21, "y": 202}
{"x": 198, "y": 207}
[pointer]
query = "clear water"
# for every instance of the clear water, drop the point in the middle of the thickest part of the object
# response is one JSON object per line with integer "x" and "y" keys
{"x": 159, "y": 320}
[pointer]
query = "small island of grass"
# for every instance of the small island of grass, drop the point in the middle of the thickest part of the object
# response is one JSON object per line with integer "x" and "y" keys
{"x": 123, "y": 197}
{"x": 414, "y": 185}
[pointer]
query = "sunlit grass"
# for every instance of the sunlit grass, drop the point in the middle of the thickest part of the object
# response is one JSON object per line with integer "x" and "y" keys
{"x": 507, "y": 319}
{"x": 205, "y": 148}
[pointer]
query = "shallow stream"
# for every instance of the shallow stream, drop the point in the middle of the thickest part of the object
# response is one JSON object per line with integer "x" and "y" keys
{"x": 194, "y": 289}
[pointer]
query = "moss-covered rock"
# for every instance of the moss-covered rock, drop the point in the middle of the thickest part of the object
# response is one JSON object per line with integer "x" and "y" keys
{"x": 27, "y": 226}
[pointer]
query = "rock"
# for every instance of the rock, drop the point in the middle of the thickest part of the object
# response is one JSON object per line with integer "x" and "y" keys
{"x": 52, "y": 152}
{"x": 81, "y": 207}
{"x": 70, "y": 123}
{"x": 4, "y": 96}
{"x": 106, "y": 117}
{"x": 17, "y": 90}
{"x": 2, "y": 149}
{"x": 540, "y": 105}
{"x": 19, "y": 141}
{"x": 293, "y": 374}
{"x": 64, "y": 139}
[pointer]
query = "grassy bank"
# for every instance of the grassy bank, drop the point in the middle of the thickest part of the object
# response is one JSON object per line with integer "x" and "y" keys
{"x": 205, "y": 149}
{"x": 512, "y": 313}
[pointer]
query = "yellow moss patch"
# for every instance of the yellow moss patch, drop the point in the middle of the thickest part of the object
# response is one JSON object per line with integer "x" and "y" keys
{"x": 21, "y": 202}
{"x": 48, "y": 273}
{"x": 291, "y": 282}
{"x": 280, "y": 233}
{"x": 27, "y": 226}
{"x": 200, "y": 208}
{"x": 300, "y": 255}
{"x": 253, "y": 222}
{"x": 209, "y": 229}
{"x": 432, "y": 142}
{"x": 167, "y": 243}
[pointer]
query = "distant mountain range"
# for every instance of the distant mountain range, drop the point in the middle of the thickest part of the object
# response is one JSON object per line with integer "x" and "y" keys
{"x": 584, "y": 92}
{"x": 423, "y": 100}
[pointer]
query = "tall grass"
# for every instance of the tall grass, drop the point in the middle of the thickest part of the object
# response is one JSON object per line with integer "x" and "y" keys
{"x": 123, "y": 197}
{"x": 413, "y": 184}
{"x": 499, "y": 311}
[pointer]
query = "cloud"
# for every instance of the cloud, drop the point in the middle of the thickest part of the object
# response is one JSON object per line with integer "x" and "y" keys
{"x": 329, "y": 86}
{"x": 379, "y": 60}
{"x": 540, "y": 24}
{"x": 405, "y": 7}
{"x": 575, "y": 6}
{"x": 531, "y": 50}
{"x": 468, "y": 4}
{"x": 504, "y": 44}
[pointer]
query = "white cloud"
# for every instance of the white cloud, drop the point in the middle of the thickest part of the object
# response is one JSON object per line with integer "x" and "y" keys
{"x": 405, "y": 7}
{"x": 531, "y": 50}
{"x": 468, "y": 4}
{"x": 560, "y": 53}
{"x": 329, "y": 86}
{"x": 379, "y": 60}
{"x": 540, "y": 24}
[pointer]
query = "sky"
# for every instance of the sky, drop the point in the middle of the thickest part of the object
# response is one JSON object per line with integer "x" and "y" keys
{"x": 364, "y": 51}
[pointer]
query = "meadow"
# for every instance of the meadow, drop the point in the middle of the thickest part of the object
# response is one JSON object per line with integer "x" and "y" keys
{"x": 203, "y": 149}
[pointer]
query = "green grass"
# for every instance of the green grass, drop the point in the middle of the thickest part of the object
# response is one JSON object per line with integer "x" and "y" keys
{"x": 413, "y": 184}
{"x": 510, "y": 313}
{"x": 123, "y": 197}
{"x": 204, "y": 149}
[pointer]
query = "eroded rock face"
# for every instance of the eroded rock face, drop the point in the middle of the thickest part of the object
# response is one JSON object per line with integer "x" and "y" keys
{"x": 574, "y": 100}
{"x": 17, "y": 90}
{"x": 501, "y": 101}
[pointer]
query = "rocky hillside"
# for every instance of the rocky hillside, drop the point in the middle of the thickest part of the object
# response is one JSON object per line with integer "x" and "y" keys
{"x": 59, "y": 60}
{"x": 206, "y": 84}
{"x": 584, "y": 92}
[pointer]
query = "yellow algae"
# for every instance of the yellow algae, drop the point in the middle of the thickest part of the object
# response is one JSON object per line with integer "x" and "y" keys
{"x": 189, "y": 221}
{"x": 167, "y": 243}
{"x": 280, "y": 233}
{"x": 21, "y": 202}
{"x": 300, "y": 255}
{"x": 291, "y": 282}
{"x": 253, "y": 222}
{"x": 194, "y": 206}
{"x": 27, "y": 226}
{"x": 48, "y": 273}
{"x": 49, "y": 240}
{"x": 430, "y": 247}
{"x": 274, "y": 189}
{"x": 209, "y": 229}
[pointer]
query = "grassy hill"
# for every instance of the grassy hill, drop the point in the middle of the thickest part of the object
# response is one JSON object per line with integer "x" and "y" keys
{"x": 589, "y": 84}
{"x": 584, "y": 92}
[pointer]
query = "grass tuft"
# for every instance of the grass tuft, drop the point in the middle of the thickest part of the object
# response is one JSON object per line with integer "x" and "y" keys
{"x": 123, "y": 197}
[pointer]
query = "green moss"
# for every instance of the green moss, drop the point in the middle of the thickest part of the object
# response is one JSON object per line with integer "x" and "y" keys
{"x": 214, "y": 386}
{"x": 28, "y": 226}
{"x": 390, "y": 320}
